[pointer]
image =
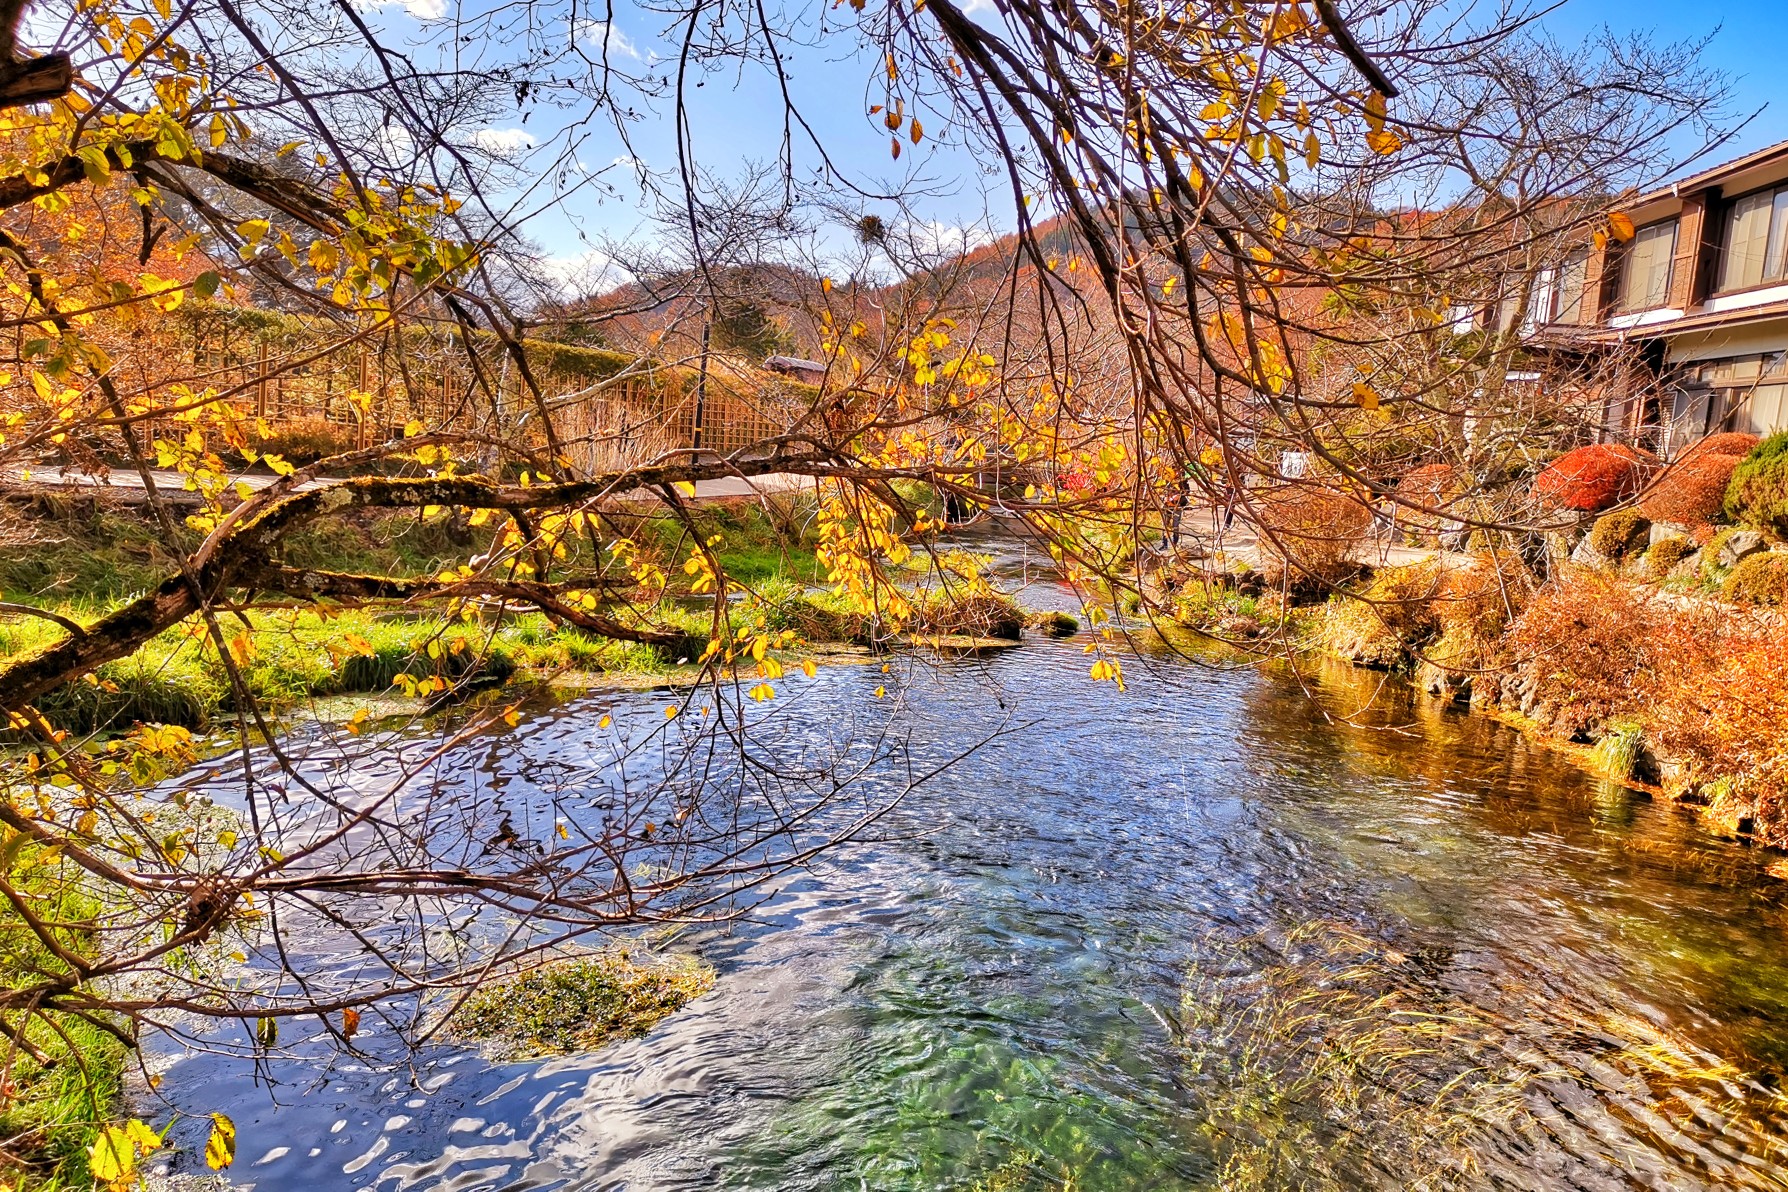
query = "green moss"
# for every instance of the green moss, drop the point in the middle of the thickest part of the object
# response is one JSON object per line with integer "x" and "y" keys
{"x": 1760, "y": 579}
{"x": 1619, "y": 534}
{"x": 580, "y": 1004}
{"x": 1712, "y": 574}
{"x": 1665, "y": 554}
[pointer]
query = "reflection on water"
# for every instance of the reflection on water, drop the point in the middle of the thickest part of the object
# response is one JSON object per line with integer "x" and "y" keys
{"x": 1205, "y": 933}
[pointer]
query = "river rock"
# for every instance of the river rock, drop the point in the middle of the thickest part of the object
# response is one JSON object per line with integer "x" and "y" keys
{"x": 1586, "y": 555}
{"x": 1740, "y": 545}
{"x": 1662, "y": 530}
{"x": 1689, "y": 566}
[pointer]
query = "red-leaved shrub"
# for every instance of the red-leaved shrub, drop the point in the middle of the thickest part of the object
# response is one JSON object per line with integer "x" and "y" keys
{"x": 1590, "y": 479}
{"x": 1692, "y": 490}
{"x": 1730, "y": 442}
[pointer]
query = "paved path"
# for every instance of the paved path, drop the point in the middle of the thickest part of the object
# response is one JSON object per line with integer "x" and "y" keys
{"x": 1241, "y": 543}
{"x": 127, "y": 485}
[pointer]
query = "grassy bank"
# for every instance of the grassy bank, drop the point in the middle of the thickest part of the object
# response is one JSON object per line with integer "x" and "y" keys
{"x": 80, "y": 557}
{"x": 62, "y": 1081}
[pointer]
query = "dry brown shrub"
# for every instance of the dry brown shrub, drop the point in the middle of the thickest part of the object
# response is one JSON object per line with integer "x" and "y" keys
{"x": 1480, "y": 600}
{"x": 1730, "y": 721}
{"x": 1730, "y": 442}
{"x": 1585, "y": 648}
{"x": 1709, "y": 686}
{"x": 1692, "y": 491}
{"x": 1429, "y": 487}
{"x": 1310, "y": 535}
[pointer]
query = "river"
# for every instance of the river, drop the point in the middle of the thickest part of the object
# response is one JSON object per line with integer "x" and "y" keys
{"x": 1212, "y": 931}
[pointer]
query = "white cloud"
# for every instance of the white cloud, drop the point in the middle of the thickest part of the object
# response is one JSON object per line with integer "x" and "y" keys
{"x": 502, "y": 142}
{"x": 607, "y": 38}
{"x": 422, "y": 10}
{"x": 937, "y": 239}
{"x": 584, "y": 274}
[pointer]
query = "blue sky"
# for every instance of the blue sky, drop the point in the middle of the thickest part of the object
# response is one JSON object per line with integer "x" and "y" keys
{"x": 1750, "y": 43}
{"x": 736, "y": 122}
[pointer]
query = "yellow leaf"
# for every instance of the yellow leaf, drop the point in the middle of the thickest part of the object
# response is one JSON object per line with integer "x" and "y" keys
{"x": 220, "y": 1148}
{"x": 512, "y": 718}
{"x": 825, "y": 285}
{"x": 807, "y": 667}
{"x": 605, "y": 722}
{"x": 685, "y": 487}
{"x": 762, "y": 692}
{"x": 880, "y": 691}
{"x": 918, "y": 132}
{"x": 323, "y": 256}
{"x": 564, "y": 832}
{"x": 670, "y": 712}
{"x": 219, "y": 131}
{"x": 1621, "y": 226}
{"x": 1375, "y": 109}
{"x": 1384, "y": 141}
{"x": 1365, "y": 396}
{"x": 112, "y": 1159}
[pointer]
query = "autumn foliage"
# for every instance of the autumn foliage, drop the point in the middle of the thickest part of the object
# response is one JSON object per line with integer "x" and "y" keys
{"x": 1693, "y": 489}
{"x": 1708, "y": 686}
{"x": 1590, "y": 479}
{"x": 1311, "y": 534}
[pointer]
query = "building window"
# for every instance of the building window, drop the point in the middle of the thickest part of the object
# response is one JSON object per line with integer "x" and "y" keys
{"x": 1567, "y": 301}
{"x": 1645, "y": 268}
{"x": 1557, "y": 294}
{"x": 1756, "y": 235}
{"x": 1746, "y": 393}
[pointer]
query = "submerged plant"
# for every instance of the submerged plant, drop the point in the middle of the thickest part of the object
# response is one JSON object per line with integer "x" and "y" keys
{"x": 1326, "y": 1059}
{"x": 1327, "y": 1066}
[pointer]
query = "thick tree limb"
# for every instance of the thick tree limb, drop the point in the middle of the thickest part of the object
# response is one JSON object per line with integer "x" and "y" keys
{"x": 115, "y": 635}
{"x": 35, "y": 80}
{"x": 61, "y": 174}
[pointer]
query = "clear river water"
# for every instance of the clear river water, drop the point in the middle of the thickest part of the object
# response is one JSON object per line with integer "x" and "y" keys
{"x": 1212, "y": 932}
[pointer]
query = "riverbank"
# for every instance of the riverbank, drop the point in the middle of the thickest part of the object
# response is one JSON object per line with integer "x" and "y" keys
{"x": 1669, "y": 687}
{"x": 383, "y": 664}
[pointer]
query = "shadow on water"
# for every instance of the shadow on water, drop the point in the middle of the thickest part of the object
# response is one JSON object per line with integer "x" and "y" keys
{"x": 1205, "y": 933}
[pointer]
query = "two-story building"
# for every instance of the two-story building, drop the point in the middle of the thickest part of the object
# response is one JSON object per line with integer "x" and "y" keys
{"x": 1700, "y": 290}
